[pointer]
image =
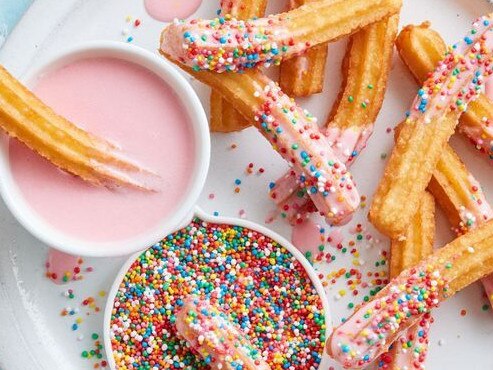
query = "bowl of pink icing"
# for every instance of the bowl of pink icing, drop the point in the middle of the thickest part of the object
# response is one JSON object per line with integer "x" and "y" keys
{"x": 142, "y": 104}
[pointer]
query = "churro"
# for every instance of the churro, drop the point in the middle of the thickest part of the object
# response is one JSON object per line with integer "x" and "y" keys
{"x": 461, "y": 198}
{"x": 212, "y": 335}
{"x": 365, "y": 71}
{"x": 456, "y": 190}
{"x": 414, "y": 293}
{"x": 421, "y": 48}
{"x": 304, "y": 75}
{"x": 227, "y": 44}
{"x": 458, "y": 193}
{"x": 24, "y": 117}
{"x": 410, "y": 349}
{"x": 432, "y": 120}
{"x": 294, "y": 133}
{"x": 223, "y": 117}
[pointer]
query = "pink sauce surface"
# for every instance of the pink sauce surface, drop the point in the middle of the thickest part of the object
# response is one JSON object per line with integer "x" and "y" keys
{"x": 125, "y": 104}
{"x": 167, "y": 10}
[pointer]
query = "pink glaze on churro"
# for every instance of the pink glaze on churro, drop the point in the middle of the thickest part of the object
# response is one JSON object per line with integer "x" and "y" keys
{"x": 296, "y": 135}
{"x": 212, "y": 335}
{"x": 403, "y": 303}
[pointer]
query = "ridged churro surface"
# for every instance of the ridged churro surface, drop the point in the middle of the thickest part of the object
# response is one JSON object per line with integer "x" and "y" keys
{"x": 304, "y": 75}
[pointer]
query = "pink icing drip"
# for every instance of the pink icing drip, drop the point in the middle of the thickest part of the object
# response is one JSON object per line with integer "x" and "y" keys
{"x": 307, "y": 238}
{"x": 167, "y": 10}
{"x": 60, "y": 264}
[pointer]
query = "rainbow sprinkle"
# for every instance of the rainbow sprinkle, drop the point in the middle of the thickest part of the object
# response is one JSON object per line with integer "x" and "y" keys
{"x": 265, "y": 290}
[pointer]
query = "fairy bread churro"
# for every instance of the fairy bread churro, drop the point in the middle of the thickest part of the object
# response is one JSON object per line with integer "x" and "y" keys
{"x": 26, "y": 118}
{"x": 365, "y": 69}
{"x": 456, "y": 190}
{"x": 434, "y": 114}
{"x": 414, "y": 293}
{"x": 304, "y": 75}
{"x": 421, "y": 48}
{"x": 294, "y": 133}
{"x": 212, "y": 335}
{"x": 226, "y": 44}
{"x": 224, "y": 117}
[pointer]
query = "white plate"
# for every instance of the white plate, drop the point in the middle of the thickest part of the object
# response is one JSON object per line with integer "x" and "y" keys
{"x": 33, "y": 335}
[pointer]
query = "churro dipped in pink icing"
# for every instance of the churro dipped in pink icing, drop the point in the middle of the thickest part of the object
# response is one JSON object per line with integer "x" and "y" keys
{"x": 291, "y": 196}
{"x": 294, "y": 130}
{"x": 461, "y": 198}
{"x": 293, "y": 133}
{"x": 212, "y": 335}
{"x": 227, "y": 44}
{"x": 365, "y": 69}
{"x": 421, "y": 48}
{"x": 410, "y": 296}
{"x": 25, "y": 117}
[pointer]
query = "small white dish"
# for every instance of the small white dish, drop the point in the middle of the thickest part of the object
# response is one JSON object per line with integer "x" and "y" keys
{"x": 57, "y": 238}
{"x": 312, "y": 274}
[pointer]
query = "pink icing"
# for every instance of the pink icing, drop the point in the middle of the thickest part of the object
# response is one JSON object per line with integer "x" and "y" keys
{"x": 167, "y": 10}
{"x": 296, "y": 134}
{"x": 367, "y": 333}
{"x": 346, "y": 145}
{"x": 413, "y": 356}
{"x": 214, "y": 337}
{"x": 128, "y": 105}
{"x": 190, "y": 42}
{"x": 61, "y": 267}
{"x": 482, "y": 135}
{"x": 307, "y": 238}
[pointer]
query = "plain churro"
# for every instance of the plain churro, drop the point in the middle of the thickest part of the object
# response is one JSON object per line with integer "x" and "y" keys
{"x": 304, "y": 75}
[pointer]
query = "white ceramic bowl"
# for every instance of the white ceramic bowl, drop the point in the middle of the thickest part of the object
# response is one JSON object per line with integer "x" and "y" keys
{"x": 57, "y": 238}
{"x": 228, "y": 221}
